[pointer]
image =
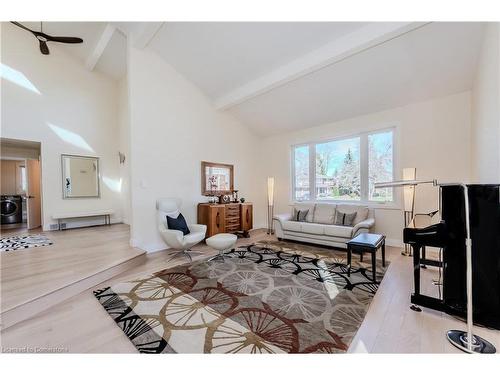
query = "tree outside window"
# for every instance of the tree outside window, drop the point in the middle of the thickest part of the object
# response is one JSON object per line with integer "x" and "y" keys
{"x": 301, "y": 183}
{"x": 380, "y": 165}
{"x": 338, "y": 171}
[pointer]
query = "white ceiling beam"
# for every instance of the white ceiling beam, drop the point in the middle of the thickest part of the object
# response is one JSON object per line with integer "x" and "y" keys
{"x": 100, "y": 47}
{"x": 146, "y": 34}
{"x": 341, "y": 48}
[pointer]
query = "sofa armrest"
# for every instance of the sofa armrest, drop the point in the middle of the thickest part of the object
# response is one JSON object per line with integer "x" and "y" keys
{"x": 282, "y": 218}
{"x": 363, "y": 226}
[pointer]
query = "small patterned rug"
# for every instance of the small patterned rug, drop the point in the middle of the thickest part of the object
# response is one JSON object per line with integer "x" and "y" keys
{"x": 23, "y": 242}
{"x": 269, "y": 297}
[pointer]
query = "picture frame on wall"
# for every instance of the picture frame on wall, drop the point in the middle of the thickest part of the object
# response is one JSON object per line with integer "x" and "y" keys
{"x": 216, "y": 178}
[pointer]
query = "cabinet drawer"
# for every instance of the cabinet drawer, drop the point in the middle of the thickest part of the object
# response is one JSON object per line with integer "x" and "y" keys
{"x": 232, "y": 208}
{"x": 232, "y": 221}
{"x": 232, "y": 228}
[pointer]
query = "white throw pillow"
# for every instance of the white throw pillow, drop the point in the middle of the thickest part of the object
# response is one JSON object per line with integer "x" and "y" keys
{"x": 324, "y": 213}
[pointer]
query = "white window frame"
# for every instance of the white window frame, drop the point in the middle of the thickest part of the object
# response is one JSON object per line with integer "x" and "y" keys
{"x": 364, "y": 168}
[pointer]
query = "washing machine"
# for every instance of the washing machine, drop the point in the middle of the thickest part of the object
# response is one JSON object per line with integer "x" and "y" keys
{"x": 11, "y": 209}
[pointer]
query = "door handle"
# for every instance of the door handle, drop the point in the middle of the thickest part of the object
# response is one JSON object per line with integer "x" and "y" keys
{"x": 30, "y": 196}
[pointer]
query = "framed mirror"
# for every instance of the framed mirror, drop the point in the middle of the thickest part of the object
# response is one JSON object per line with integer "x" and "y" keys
{"x": 216, "y": 178}
{"x": 80, "y": 176}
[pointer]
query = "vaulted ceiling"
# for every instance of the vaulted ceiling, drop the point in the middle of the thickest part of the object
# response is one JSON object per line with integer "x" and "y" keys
{"x": 282, "y": 76}
{"x": 219, "y": 57}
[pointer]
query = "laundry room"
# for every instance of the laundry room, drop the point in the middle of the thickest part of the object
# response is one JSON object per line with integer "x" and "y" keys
{"x": 20, "y": 185}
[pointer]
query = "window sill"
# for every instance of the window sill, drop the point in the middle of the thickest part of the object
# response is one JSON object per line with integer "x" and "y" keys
{"x": 372, "y": 205}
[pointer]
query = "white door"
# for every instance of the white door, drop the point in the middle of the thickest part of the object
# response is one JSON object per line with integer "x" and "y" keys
{"x": 33, "y": 194}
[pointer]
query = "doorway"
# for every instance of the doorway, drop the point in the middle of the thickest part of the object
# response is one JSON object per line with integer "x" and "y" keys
{"x": 20, "y": 185}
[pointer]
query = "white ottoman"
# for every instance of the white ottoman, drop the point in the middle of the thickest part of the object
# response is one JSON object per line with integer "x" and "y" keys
{"x": 221, "y": 242}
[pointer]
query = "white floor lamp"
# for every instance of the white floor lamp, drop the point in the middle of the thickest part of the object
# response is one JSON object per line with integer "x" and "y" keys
{"x": 270, "y": 204}
{"x": 409, "y": 174}
{"x": 458, "y": 338}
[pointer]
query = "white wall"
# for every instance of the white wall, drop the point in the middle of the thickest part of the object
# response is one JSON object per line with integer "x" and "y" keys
{"x": 81, "y": 107}
{"x": 173, "y": 127}
{"x": 124, "y": 147}
{"x": 432, "y": 136}
{"x": 485, "y": 134}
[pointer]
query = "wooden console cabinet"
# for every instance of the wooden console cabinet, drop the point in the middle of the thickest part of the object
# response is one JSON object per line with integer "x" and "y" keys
{"x": 226, "y": 218}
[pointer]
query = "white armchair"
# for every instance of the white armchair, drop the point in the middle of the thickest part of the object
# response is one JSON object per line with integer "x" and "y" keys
{"x": 175, "y": 239}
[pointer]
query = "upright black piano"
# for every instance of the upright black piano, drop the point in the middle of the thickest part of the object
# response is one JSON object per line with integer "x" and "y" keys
{"x": 449, "y": 233}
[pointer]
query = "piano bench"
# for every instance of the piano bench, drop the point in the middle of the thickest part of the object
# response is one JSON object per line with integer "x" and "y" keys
{"x": 366, "y": 243}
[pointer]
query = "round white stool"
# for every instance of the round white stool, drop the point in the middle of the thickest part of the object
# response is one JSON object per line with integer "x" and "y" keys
{"x": 221, "y": 242}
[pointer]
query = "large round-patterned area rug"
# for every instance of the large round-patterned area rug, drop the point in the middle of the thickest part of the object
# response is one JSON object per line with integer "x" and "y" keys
{"x": 269, "y": 297}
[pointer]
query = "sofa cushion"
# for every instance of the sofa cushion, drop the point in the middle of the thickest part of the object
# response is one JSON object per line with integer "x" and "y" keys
{"x": 338, "y": 231}
{"x": 361, "y": 211}
{"x": 302, "y": 206}
{"x": 292, "y": 226}
{"x": 313, "y": 228}
{"x": 324, "y": 213}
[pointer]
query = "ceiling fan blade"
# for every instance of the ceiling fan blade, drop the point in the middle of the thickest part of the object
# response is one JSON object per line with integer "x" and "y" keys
{"x": 21, "y": 26}
{"x": 43, "y": 47}
{"x": 63, "y": 39}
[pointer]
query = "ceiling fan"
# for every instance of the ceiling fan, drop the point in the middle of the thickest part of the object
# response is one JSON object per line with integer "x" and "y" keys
{"x": 44, "y": 38}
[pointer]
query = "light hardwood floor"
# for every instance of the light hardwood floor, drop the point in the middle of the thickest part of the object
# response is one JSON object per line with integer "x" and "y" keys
{"x": 28, "y": 274}
{"x": 80, "y": 324}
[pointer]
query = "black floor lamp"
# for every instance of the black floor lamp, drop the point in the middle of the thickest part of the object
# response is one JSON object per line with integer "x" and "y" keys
{"x": 458, "y": 338}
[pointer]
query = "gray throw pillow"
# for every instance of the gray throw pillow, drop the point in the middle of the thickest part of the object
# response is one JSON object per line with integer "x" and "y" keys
{"x": 299, "y": 215}
{"x": 339, "y": 218}
{"x": 344, "y": 219}
{"x": 349, "y": 219}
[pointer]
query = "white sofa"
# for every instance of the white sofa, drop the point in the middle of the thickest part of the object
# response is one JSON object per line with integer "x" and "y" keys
{"x": 319, "y": 228}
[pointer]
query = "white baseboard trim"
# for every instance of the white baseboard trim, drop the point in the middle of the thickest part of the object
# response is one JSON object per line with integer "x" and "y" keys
{"x": 393, "y": 242}
{"x": 150, "y": 247}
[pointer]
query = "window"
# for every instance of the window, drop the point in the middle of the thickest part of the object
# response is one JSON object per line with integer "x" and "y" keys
{"x": 24, "y": 181}
{"x": 380, "y": 165}
{"x": 337, "y": 170}
{"x": 345, "y": 169}
{"x": 301, "y": 179}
